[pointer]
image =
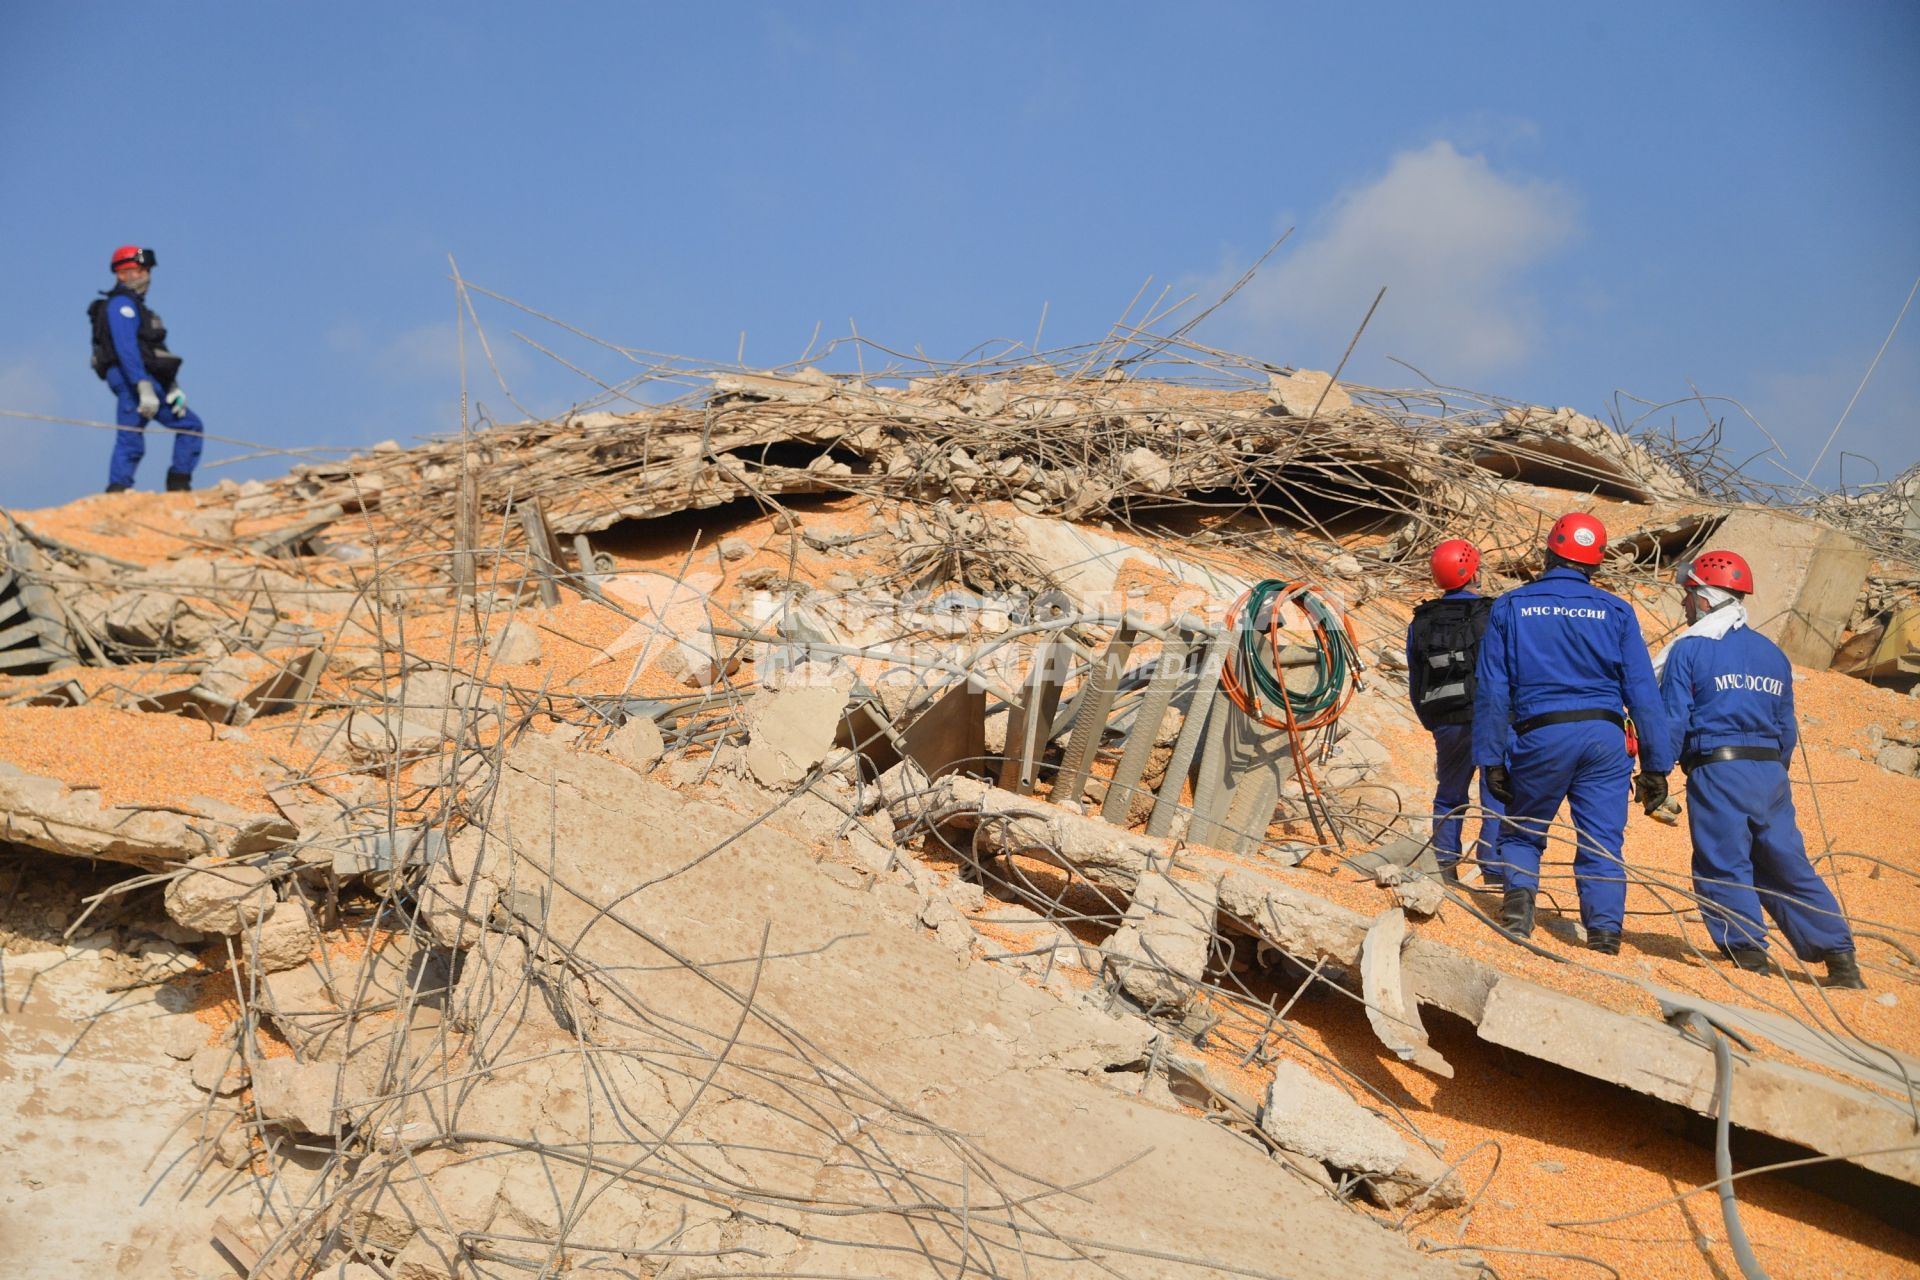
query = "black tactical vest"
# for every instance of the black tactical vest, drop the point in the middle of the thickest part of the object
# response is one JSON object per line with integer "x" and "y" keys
{"x": 1444, "y": 649}
{"x": 162, "y": 364}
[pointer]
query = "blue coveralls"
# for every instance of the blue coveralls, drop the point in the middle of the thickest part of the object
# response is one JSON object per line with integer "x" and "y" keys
{"x": 1737, "y": 691}
{"x": 1453, "y": 770}
{"x": 1560, "y": 643}
{"x": 127, "y": 372}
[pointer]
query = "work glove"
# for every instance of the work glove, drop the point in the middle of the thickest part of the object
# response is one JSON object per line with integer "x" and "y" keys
{"x": 1649, "y": 791}
{"x": 177, "y": 401}
{"x": 149, "y": 399}
{"x": 1499, "y": 782}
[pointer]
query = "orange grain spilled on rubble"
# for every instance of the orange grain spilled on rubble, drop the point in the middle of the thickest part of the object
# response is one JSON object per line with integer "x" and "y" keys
{"x": 132, "y": 757}
{"x": 1614, "y": 1150}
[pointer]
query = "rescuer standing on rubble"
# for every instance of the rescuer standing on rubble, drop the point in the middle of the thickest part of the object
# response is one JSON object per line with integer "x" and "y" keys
{"x": 1443, "y": 647}
{"x": 130, "y": 354}
{"x": 1728, "y": 692}
{"x": 1559, "y": 660}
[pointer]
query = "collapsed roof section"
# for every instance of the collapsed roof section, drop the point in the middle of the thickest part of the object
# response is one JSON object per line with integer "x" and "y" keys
{"x": 1300, "y": 451}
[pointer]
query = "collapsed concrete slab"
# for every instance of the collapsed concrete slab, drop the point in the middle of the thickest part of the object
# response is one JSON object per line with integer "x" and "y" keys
{"x": 1087, "y": 564}
{"x": 1650, "y": 1057}
{"x": 47, "y": 814}
{"x": 1809, "y": 578}
{"x": 804, "y": 1032}
{"x": 1564, "y": 449}
{"x": 1637, "y": 1052}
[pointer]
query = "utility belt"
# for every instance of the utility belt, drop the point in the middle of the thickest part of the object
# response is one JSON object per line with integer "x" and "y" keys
{"x": 1569, "y": 717}
{"x": 1689, "y": 763}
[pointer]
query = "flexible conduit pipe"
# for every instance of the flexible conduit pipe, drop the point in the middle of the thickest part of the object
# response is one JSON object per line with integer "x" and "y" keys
{"x": 1722, "y": 1156}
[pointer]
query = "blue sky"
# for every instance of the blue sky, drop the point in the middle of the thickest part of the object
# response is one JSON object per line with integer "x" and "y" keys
{"x": 1563, "y": 201}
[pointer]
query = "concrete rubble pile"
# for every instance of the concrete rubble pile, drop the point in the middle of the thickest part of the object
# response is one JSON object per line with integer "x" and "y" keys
{"x": 868, "y": 873}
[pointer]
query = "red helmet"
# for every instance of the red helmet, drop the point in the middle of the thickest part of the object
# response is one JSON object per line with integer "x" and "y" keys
{"x": 1578, "y": 537}
{"x": 132, "y": 255}
{"x": 1722, "y": 569}
{"x": 1454, "y": 563}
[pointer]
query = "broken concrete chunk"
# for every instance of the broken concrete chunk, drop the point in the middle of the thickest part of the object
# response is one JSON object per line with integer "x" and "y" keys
{"x": 413, "y": 1192}
{"x": 1421, "y": 895}
{"x": 515, "y": 644}
{"x": 157, "y": 621}
{"x": 219, "y": 1068}
{"x": 1305, "y": 1114}
{"x": 283, "y": 937}
{"x": 1308, "y": 1116}
{"x": 637, "y": 743}
{"x": 296, "y": 1094}
{"x": 1898, "y": 759}
{"x": 223, "y": 1128}
{"x": 1160, "y": 953}
{"x": 1393, "y": 1015}
{"x": 302, "y": 1008}
{"x": 501, "y": 983}
{"x": 216, "y": 896}
{"x": 1298, "y": 394}
{"x": 431, "y": 1255}
{"x": 735, "y": 548}
{"x": 1145, "y": 469}
{"x": 790, "y": 732}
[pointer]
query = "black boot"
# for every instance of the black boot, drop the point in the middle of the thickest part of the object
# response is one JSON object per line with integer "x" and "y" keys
{"x": 114, "y": 486}
{"x": 179, "y": 481}
{"x": 1605, "y": 941}
{"x": 1843, "y": 970}
{"x": 1450, "y": 873}
{"x": 1750, "y": 959}
{"x": 1516, "y": 912}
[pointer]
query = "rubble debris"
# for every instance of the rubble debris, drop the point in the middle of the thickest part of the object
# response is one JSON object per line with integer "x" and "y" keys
{"x": 1160, "y": 952}
{"x": 1566, "y": 449}
{"x": 515, "y": 644}
{"x": 1314, "y": 1119}
{"x": 1395, "y": 1017}
{"x": 790, "y": 731}
{"x": 47, "y": 814}
{"x": 725, "y": 866}
{"x": 637, "y": 743}
{"x": 216, "y": 895}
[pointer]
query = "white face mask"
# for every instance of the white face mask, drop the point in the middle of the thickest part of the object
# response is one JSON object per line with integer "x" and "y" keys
{"x": 1703, "y": 600}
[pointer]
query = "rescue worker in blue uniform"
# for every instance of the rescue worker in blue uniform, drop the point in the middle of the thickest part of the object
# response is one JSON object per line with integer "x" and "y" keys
{"x": 1728, "y": 692}
{"x": 1443, "y": 647}
{"x": 130, "y": 354}
{"x": 1559, "y": 660}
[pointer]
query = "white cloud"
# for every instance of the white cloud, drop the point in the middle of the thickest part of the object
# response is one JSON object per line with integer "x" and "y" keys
{"x": 1450, "y": 238}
